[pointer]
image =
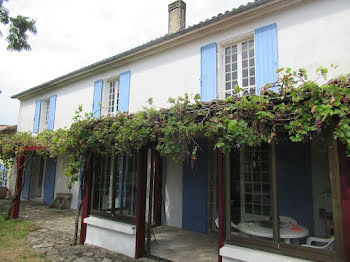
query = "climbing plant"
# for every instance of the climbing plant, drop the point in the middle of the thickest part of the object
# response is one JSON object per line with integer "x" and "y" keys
{"x": 301, "y": 110}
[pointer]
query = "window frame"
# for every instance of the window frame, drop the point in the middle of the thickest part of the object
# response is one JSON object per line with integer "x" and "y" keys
{"x": 244, "y": 182}
{"x": 130, "y": 219}
{"x": 221, "y": 88}
{"x": 276, "y": 246}
{"x": 106, "y": 94}
{"x": 44, "y": 114}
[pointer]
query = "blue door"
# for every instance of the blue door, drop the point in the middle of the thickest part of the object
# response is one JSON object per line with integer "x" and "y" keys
{"x": 194, "y": 192}
{"x": 25, "y": 190}
{"x": 49, "y": 184}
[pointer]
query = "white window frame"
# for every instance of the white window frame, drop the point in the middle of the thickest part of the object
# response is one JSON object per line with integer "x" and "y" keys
{"x": 221, "y": 89}
{"x": 106, "y": 110}
{"x": 253, "y": 215}
{"x": 44, "y": 114}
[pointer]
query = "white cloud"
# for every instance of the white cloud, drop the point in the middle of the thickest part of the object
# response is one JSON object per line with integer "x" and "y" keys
{"x": 75, "y": 33}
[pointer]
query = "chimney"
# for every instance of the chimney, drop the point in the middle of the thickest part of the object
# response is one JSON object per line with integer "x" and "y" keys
{"x": 177, "y": 16}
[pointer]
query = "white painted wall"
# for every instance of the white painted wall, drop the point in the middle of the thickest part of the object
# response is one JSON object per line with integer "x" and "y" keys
{"x": 112, "y": 235}
{"x": 61, "y": 183}
{"x": 172, "y": 193}
{"x": 310, "y": 34}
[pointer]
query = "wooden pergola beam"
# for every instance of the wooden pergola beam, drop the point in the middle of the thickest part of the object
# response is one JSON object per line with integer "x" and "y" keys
{"x": 86, "y": 198}
{"x": 221, "y": 229}
{"x": 141, "y": 202}
{"x": 19, "y": 181}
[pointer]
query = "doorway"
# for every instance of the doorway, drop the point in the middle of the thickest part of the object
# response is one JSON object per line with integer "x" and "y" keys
{"x": 36, "y": 177}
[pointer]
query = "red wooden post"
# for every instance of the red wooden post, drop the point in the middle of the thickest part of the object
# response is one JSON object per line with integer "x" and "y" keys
{"x": 20, "y": 167}
{"x": 157, "y": 200}
{"x": 85, "y": 207}
{"x": 141, "y": 202}
{"x": 220, "y": 203}
{"x": 344, "y": 170}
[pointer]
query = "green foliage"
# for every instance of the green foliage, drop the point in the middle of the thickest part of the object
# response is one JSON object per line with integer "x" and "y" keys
{"x": 301, "y": 110}
{"x": 19, "y": 26}
{"x": 12, "y": 145}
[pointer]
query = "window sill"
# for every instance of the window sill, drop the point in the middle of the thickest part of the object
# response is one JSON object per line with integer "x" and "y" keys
{"x": 131, "y": 220}
{"x": 110, "y": 225}
{"x": 235, "y": 253}
{"x": 244, "y": 249}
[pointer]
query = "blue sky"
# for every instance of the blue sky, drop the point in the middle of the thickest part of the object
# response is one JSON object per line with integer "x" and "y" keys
{"x": 73, "y": 34}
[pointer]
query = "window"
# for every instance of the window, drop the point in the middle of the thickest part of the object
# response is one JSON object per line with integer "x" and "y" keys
{"x": 44, "y": 114}
{"x": 251, "y": 186}
{"x": 113, "y": 96}
{"x": 255, "y": 180}
{"x": 239, "y": 64}
{"x": 282, "y": 194}
{"x": 115, "y": 185}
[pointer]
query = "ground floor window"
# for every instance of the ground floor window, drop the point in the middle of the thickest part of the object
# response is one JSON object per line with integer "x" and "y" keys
{"x": 115, "y": 184}
{"x": 282, "y": 194}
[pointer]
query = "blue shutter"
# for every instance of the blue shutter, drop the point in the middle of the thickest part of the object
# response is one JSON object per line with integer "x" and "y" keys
{"x": 96, "y": 107}
{"x": 208, "y": 73}
{"x": 49, "y": 183}
{"x": 266, "y": 56}
{"x": 26, "y": 185}
{"x": 37, "y": 116}
{"x": 52, "y": 110}
{"x": 124, "y": 92}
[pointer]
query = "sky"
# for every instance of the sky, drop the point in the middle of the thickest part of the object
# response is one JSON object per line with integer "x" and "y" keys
{"x": 75, "y": 33}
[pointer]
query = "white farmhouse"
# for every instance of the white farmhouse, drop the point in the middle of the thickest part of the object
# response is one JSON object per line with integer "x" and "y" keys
{"x": 244, "y": 46}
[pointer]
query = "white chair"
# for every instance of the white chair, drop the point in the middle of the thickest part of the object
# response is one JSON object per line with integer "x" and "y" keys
{"x": 234, "y": 225}
{"x": 217, "y": 224}
{"x": 329, "y": 243}
{"x": 285, "y": 219}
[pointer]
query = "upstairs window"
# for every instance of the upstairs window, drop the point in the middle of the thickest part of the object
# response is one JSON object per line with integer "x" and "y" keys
{"x": 239, "y": 64}
{"x": 112, "y": 93}
{"x": 44, "y": 114}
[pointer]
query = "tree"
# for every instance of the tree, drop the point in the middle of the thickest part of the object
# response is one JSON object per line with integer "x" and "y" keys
{"x": 18, "y": 28}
